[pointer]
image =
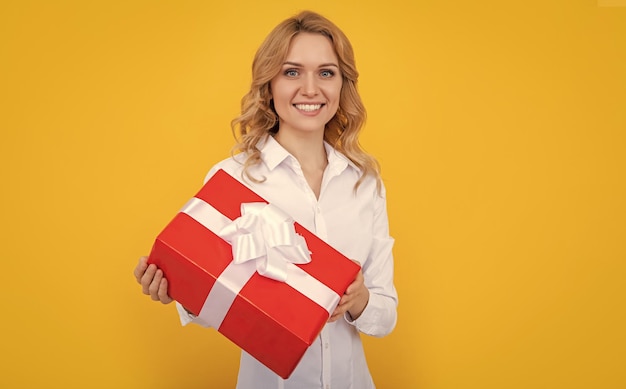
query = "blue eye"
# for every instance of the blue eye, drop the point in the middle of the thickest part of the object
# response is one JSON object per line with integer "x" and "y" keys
{"x": 291, "y": 73}
{"x": 327, "y": 73}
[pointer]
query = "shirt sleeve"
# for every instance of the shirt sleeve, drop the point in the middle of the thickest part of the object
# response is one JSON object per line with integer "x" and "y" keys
{"x": 380, "y": 315}
{"x": 186, "y": 317}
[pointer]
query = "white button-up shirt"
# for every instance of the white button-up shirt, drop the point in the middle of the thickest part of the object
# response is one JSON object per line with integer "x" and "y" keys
{"x": 356, "y": 224}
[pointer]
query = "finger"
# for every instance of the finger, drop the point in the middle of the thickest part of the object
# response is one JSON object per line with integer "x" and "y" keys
{"x": 338, "y": 312}
{"x": 356, "y": 284}
{"x": 163, "y": 296}
{"x": 155, "y": 284}
{"x": 147, "y": 278}
{"x": 141, "y": 268}
{"x": 335, "y": 316}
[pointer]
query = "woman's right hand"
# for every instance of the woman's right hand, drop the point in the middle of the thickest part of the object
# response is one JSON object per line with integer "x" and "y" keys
{"x": 152, "y": 281}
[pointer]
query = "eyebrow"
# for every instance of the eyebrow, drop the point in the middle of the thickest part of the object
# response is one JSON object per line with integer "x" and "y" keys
{"x": 323, "y": 65}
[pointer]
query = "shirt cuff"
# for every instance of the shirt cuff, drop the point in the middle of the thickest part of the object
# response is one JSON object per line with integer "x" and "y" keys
{"x": 375, "y": 320}
{"x": 369, "y": 314}
{"x": 185, "y": 317}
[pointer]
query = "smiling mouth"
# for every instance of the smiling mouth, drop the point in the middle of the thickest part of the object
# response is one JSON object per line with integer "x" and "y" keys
{"x": 308, "y": 107}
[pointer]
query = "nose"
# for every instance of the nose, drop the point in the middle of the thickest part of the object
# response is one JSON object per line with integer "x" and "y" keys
{"x": 309, "y": 86}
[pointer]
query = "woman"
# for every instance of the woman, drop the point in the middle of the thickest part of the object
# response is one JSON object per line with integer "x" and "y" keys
{"x": 298, "y": 142}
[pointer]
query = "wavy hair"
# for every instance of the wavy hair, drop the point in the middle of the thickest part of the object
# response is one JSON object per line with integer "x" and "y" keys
{"x": 258, "y": 118}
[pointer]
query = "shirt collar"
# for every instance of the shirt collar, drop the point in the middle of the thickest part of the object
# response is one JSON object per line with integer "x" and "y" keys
{"x": 273, "y": 154}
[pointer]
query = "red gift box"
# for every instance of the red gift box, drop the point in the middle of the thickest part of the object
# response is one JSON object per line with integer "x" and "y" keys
{"x": 273, "y": 321}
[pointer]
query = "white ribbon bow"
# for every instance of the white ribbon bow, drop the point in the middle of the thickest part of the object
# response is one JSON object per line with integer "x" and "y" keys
{"x": 266, "y": 234}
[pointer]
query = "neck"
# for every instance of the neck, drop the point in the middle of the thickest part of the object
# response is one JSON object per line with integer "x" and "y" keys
{"x": 308, "y": 150}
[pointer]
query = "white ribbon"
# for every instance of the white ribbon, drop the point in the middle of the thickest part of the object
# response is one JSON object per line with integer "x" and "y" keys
{"x": 266, "y": 234}
{"x": 264, "y": 240}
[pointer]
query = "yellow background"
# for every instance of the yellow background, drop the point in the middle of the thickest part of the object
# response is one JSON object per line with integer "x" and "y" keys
{"x": 500, "y": 127}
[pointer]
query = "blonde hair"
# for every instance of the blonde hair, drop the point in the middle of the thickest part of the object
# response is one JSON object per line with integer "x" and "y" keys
{"x": 258, "y": 118}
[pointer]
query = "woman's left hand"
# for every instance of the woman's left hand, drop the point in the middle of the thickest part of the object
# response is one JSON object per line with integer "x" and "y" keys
{"x": 353, "y": 301}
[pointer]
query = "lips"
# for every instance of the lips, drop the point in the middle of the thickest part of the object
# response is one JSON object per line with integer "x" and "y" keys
{"x": 308, "y": 107}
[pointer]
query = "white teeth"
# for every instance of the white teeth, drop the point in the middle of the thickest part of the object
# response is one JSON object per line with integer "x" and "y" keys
{"x": 308, "y": 107}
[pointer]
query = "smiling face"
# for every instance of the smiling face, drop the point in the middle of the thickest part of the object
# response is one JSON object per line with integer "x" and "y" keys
{"x": 307, "y": 90}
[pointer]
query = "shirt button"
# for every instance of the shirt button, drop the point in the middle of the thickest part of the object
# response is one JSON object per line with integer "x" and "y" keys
{"x": 326, "y": 346}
